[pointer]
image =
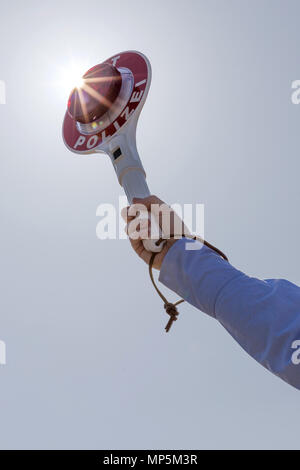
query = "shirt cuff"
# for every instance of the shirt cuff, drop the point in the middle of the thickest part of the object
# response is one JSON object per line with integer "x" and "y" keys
{"x": 196, "y": 273}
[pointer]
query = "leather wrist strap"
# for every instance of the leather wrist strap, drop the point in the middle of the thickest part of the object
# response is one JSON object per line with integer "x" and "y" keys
{"x": 171, "y": 308}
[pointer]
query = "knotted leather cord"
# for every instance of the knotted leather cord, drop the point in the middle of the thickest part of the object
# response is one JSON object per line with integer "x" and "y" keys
{"x": 171, "y": 308}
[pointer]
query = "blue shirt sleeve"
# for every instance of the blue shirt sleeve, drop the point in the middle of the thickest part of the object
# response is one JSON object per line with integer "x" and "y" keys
{"x": 263, "y": 316}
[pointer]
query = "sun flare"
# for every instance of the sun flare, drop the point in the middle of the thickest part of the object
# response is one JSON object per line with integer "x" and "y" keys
{"x": 70, "y": 77}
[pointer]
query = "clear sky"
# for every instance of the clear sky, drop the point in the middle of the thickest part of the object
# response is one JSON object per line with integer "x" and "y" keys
{"x": 88, "y": 362}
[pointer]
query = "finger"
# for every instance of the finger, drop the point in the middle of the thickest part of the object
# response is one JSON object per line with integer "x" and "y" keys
{"x": 138, "y": 229}
{"x": 124, "y": 213}
{"x": 129, "y": 229}
{"x": 127, "y": 218}
{"x": 147, "y": 201}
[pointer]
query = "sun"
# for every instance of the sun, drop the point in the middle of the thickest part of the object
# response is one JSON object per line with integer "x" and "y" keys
{"x": 70, "y": 77}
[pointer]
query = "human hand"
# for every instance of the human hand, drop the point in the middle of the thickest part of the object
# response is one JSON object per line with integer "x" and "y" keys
{"x": 138, "y": 217}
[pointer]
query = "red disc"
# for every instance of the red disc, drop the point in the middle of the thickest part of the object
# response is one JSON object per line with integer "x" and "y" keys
{"x": 139, "y": 67}
{"x": 100, "y": 88}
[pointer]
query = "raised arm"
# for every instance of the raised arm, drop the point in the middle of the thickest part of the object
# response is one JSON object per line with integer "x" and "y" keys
{"x": 263, "y": 316}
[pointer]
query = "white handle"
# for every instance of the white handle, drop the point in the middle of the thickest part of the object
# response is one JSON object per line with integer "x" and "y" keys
{"x": 135, "y": 185}
{"x": 150, "y": 245}
{"x": 128, "y": 166}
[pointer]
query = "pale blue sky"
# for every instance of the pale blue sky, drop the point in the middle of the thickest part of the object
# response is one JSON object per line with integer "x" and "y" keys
{"x": 88, "y": 362}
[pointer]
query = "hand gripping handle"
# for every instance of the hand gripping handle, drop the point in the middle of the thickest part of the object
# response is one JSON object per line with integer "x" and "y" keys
{"x": 135, "y": 185}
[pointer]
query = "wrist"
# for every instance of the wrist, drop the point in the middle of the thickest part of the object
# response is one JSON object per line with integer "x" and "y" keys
{"x": 160, "y": 256}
